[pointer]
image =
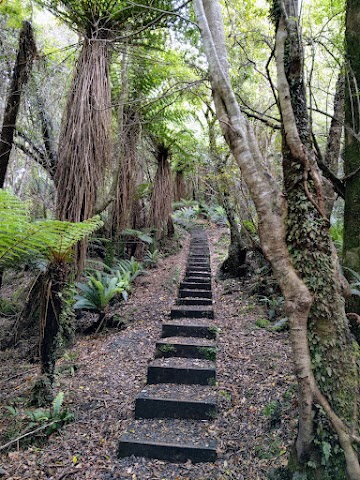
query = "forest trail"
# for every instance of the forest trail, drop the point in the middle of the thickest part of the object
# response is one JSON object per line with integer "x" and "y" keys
{"x": 255, "y": 388}
{"x": 184, "y": 375}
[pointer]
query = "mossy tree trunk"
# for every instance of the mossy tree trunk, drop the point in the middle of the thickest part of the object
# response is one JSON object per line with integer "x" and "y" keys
{"x": 331, "y": 347}
{"x": 351, "y": 254}
{"x": 328, "y": 352}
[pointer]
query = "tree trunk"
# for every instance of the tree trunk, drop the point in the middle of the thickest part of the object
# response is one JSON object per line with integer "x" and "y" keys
{"x": 272, "y": 211}
{"x": 53, "y": 283}
{"x": 162, "y": 195}
{"x": 123, "y": 206}
{"x": 22, "y": 68}
{"x": 84, "y": 145}
{"x": 180, "y": 186}
{"x": 235, "y": 263}
{"x": 351, "y": 253}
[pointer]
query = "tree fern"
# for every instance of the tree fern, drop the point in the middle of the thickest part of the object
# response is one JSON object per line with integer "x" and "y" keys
{"x": 21, "y": 238}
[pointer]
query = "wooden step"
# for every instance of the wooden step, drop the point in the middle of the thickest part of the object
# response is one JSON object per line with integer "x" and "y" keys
{"x": 192, "y": 311}
{"x": 182, "y": 371}
{"x": 171, "y": 440}
{"x": 203, "y": 274}
{"x": 195, "y": 286}
{"x": 186, "y": 347}
{"x": 194, "y": 301}
{"x": 193, "y": 278}
{"x": 191, "y": 328}
{"x": 194, "y": 402}
{"x": 198, "y": 266}
{"x": 198, "y": 261}
{"x": 197, "y": 293}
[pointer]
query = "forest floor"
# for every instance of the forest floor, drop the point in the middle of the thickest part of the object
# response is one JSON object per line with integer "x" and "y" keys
{"x": 102, "y": 374}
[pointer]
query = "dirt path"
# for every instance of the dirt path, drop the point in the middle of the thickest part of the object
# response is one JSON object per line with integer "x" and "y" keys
{"x": 255, "y": 384}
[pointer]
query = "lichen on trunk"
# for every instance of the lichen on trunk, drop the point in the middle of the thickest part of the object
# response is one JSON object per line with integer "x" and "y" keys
{"x": 351, "y": 253}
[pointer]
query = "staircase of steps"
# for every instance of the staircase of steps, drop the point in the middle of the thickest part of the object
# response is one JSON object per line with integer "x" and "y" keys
{"x": 173, "y": 411}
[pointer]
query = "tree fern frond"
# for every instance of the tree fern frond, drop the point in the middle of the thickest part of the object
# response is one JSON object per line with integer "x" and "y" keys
{"x": 21, "y": 239}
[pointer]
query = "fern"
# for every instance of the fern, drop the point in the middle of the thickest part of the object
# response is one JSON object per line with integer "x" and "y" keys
{"x": 101, "y": 288}
{"x": 128, "y": 232}
{"x": 132, "y": 266}
{"x": 21, "y": 239}
{"x": 57, "y": 403}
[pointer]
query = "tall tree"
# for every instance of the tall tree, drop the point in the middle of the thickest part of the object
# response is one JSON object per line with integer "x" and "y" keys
{"x": 22, "y": 67}
{"x": 351, "y": 253}
{"x": 294, "y": 235}
{"x": 85, "y": 139}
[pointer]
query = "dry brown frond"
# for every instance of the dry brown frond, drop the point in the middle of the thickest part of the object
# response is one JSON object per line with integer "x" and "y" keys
{"x": 162, "y": 195}
{"x": 84, "y": 146}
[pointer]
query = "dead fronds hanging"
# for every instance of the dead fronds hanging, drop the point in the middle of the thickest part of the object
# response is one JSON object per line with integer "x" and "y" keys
{"x": 85, "y": 137}
{"x": 162, "y": 195}
{"x": 84, "y": 146}
{"x": 122, "y": 211}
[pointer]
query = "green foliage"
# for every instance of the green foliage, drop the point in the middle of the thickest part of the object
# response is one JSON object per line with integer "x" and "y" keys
{"x": 8, "y": 308}
{"x": 185, "y": 216}
{"x": 214, "y": 330}
{"x": 216, "y": 214}
{"x": 167, "y": 348}
{"x": 138, "y": 234}
{"x": 22, "y": 239}
{"x": 274, "y": 304}
{"x": 16, "y": 11}
{"x": 262, "y": 322}
{"x": 337, "y": 235}
{"x": 354, "y": 281}
{"x": 151, "y": 258}
{"x": 101, "y": 288}
{"x": 250, "y": 227}
{"x": 185, "y": 203}
{"x": 132, "y": 266}
{"x": 106, "y": 16}
{"x": 209, "y": 353}
{"x": 52, "y": 419}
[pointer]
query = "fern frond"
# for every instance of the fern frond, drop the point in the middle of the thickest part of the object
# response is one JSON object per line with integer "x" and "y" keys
{"x": 21, "y": 239}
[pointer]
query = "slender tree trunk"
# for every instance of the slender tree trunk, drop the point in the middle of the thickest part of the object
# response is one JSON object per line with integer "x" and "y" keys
{"x": 272, "y": 211}
{"x": 351, "y": 253}
{"x": 22, "y": 68}
{"x": 180, "y": 186}
{"x": 235, "y": 262}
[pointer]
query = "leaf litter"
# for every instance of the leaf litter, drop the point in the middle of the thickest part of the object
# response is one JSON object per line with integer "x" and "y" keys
{"x": 256, "y": 423}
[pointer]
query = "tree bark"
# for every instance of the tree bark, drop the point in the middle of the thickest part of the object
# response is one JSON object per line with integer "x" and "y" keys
{"x": 22, "y": 68}
{"x": 351, "y": 249}
{"x": 272, "y": 211}
{"x": 162, "y": 195}
{"x": 53, "y": 283}
{"x": 234, "y": 264}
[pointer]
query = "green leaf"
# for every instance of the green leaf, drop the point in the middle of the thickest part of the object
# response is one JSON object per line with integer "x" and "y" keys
{"x": 57, "y": 403}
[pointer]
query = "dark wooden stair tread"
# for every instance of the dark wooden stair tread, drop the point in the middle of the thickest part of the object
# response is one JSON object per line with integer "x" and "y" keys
{"x": 192, "y": 311}
{"x": 176, "y": 401}
{"x": 188, "y": 347}
{"x": 189, "y": 327}
{"x": 172, "y": 440}
{"x": 181, "y": 370}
